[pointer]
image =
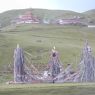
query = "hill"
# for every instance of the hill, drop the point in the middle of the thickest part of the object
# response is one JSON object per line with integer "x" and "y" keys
{"x": 6, "y": 17}
{"x": 90, "y": 16}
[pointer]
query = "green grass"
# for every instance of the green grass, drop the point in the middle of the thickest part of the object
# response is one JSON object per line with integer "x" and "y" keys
{"x": 48, "y": 89}
{"x": 38, "y": 40}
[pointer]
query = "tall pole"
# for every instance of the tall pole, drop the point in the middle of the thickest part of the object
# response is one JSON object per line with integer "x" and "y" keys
{"x": 18, "y": 65}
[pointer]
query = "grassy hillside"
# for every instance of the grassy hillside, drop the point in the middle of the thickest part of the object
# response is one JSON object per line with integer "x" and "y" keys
{"x": 48, "y": 89}
{"x": 38, "y": 40}
{"x": 90, "y": 15}
{"x": 90, "y": 12}
{"x": 6, "y": 17}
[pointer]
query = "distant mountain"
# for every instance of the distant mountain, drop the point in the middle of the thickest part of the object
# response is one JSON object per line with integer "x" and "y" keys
{"x": 6, "y": 17}
{"x": 90, "y": 14}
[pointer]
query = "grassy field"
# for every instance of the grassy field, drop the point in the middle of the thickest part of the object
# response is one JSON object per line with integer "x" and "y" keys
{"x": 38, "y": 40}
{"x": 48, "y": 89}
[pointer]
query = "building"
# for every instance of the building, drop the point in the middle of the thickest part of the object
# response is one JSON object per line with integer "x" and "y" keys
{"x": 69, "y": 21}
{"x": 25, "y": 18}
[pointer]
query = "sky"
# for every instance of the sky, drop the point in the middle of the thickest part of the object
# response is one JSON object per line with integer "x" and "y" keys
{"x": 74, "y": 5}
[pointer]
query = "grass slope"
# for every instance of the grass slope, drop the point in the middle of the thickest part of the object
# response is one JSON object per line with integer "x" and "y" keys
{"x": 38, "y": 40}
{"x": 90, "y": 15}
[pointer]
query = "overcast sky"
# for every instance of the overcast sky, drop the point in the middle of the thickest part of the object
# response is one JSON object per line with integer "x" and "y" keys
{"x": 74, "y": 5}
